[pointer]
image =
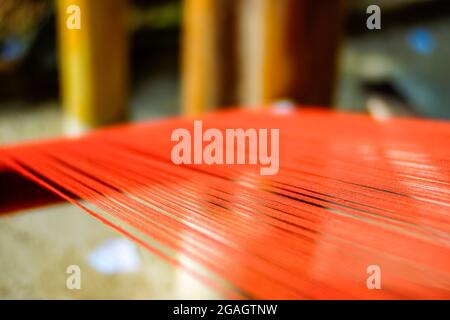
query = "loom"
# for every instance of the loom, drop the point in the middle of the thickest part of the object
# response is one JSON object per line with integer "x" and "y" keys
{"x": 351, "y": 192}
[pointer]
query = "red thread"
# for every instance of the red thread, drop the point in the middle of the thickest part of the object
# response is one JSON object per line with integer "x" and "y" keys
{"x": 351, "y": 192}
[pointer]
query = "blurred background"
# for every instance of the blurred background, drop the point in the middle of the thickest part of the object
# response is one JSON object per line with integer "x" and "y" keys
{"x": 145, "y": 59}
{"x": 175, "y": 57}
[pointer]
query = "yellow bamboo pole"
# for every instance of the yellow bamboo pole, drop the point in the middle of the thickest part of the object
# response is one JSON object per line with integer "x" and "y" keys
{"x": 289, "y": 50}
{"x": 93, "y": 63}
{"x": 199, "y": 56}
{"x": 257, "y": 52}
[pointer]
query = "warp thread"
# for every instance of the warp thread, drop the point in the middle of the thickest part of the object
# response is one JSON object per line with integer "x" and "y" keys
{"x": 350, "y": 192}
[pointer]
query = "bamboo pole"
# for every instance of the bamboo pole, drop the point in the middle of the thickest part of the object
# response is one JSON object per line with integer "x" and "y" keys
{"x": 289, "y": 50}
{"x": 199, "y": 56}
{"x": 93, "y": 63}
{"x": 208, "y": 57}
{"x": 257, "y": 52}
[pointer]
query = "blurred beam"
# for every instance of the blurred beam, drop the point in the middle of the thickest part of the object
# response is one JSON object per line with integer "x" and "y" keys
{"x": 256, "y": 52}
{"x": 93, "y": 64}
{"x": 208, "y": 64}
{"x": 290, "y": 50}
{"x": 199, "y": 56}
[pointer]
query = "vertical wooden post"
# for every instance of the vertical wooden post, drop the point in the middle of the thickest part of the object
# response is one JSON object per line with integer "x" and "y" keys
{"x": 255, "y": 52}
{"x": 198, "y": 85}
{"x": 208, "y": 58}
{"x": 290, "y": 50}
{"x": 93, "y": 63}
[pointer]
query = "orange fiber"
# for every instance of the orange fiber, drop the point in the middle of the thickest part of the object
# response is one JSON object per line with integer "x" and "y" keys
{"x": 351, "y": 192}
